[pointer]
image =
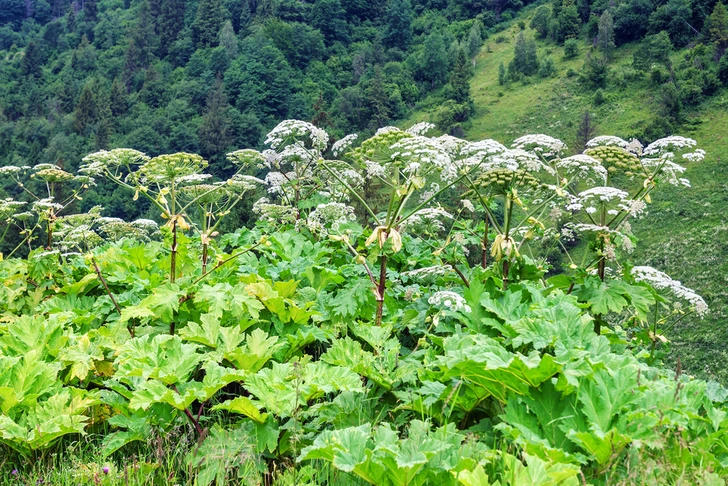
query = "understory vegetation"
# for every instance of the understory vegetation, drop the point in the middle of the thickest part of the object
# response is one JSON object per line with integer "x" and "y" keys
{"x": 396, "y": 315}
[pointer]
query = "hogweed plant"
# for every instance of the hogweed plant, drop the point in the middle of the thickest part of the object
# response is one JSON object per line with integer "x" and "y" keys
{"x": 176, "y": 185}
{"x": 49, "y": 191}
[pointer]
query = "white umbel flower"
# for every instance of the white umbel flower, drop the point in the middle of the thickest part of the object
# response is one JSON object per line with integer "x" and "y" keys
{"x": 661, "y": 281}
{"x": 449, "y": 300}
{"x": 540, "y": 144}
{"x": 606, "y": 140}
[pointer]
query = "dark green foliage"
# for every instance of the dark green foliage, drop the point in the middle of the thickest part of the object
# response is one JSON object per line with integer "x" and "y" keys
{"x": 398, "y": 30}
{"x": 723, "y": 70}
{"x": 605, "y": 36}
{"x": 475, "y": 39}
{"x": 631, "y": 20}
{"x": 329, "y": 17}
{"x": 502, "y": 74}
{"x": 541, "y": 20}
{"x": 546, "y": 67}
{"x": 717, "y": 27}
{"x": 524, "y": 61}
{"x": 208, "y": 22}
{"x": 596, "y": 71}
{"x": 571, "y": 49}
{"x": 459, "y": 84}
{"x": 568, "y": 24}
{"x": 669, "y": 102}
{"x": 674, "y": 18}
{"x": 654, "y": 49}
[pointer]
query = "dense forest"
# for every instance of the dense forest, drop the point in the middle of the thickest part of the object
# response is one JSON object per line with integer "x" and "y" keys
{"x": 215, "y": 75}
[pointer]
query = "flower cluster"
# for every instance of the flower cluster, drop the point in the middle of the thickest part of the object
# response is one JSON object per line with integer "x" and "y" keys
{"x": 289, "y": 131}
{"x": 340, "y": 145}
{"x": 420, "y": 128}
{"x": 97, "y": 162}
{"x": 449, "y": 300}
{"x": 661, "y": 281}
{"x": 329, "y": 215}
{"x": 540, "y": 144}
{"x": 583, "y": 168}
{"x": 427, "y": 220}
{"x": 602, "y": 196}
{"x": 606, "y": 140}
{"x": 421, "y": 154}
{"x": 669, "y": 144}
{"x": 274, "y": 213}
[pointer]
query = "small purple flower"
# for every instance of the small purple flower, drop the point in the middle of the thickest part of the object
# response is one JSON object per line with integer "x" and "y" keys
{"x": 105, "y": 469}
{"x": 14, "y": 472}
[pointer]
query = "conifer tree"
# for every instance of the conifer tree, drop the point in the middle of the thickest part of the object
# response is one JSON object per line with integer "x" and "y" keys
{"x": 459, "y": 83}
{"x": 605, "y": 38}
{"x": 215, "y": 132}
{"x": 718, "y": 27}
{"x": 229, "y": 40}
{"x": 586, "y": 131}
{"x": 398, "y": 31}
{"x": 524, "y": 57}
{"x": 377, "y": 100}
{"x": 208, "y": 22}
{"x": 475, "y": 40}
{"x": 84, "y": 113}
{"x": 170, "y": 23}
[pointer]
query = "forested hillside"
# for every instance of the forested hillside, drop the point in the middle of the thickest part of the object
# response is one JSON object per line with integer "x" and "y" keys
{"x": 211, "y": 76}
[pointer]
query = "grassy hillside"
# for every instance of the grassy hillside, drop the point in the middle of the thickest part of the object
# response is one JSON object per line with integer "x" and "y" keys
{"x": 686, "y": 232}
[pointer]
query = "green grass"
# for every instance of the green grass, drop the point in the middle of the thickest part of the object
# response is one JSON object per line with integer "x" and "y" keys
{"x": 686, "y": 232}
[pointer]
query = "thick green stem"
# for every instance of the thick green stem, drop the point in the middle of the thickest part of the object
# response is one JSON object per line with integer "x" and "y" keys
{"x": 381, "y": 288}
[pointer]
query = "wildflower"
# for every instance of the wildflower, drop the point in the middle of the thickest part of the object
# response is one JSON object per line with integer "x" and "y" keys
{"x": 10, "y": 169}
{"x": 669, "y": 144}
{"x": 247, "y": 158}
{"x": 450, "y": 300}
{"x": 431, "y": 219}
{"x": 420, "y": 128}
{"x": 607, "y": 140}
{"x": 598, "y": 197}
{"x": 515, "y": 159}
{"x": 662, "y": 281}
{"x": 423, "y": 154}
{"x": 105, "y": 469}
{"x": 582, "y": 167}
{"x": 293, "y": 130}
{"x": 468, "y": 205}
{"x": 540, "y": 144}
{"x": 331, "y": 214}
{"x": 341, "y": 145}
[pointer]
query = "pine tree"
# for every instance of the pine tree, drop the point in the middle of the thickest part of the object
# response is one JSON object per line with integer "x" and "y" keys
{"x": 229, "y": 40}
{"x": 208, "y": 22}
{"x": 524, "y": 60}
{"x": 84, "y": 114}
{"x": 170, "y": 23}
{"x": 502, "y": 74}
{"x": 434, "y": 66}
{"x": 585, "y": 132}
{"x": 377, "y": 100}
{"x": 605, "y": 38}
{"x": 246, "y": 18}
{"x": 103, "y": 119}
{"x": 320, "y": 116}
{"x": 32, "y": 60}
{"x": 215, "y": 131}
{"x": 459, "y": 83}
{"x": 475, "y": 40}
{"x": 718, "y": 27}
{"x": 398, "y": 31}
